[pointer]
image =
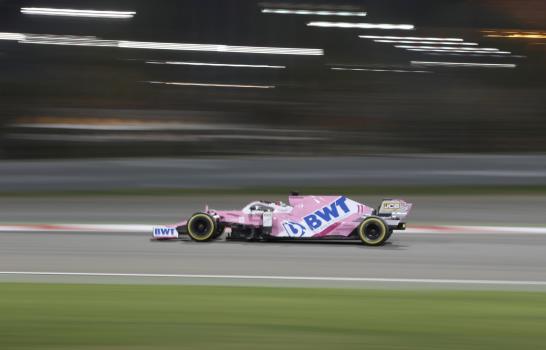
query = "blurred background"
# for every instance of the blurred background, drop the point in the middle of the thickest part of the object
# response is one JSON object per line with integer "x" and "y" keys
{"x": 210, "y": 97}
{"x": 211, "y": 93}
{"x": 120, "y": 86}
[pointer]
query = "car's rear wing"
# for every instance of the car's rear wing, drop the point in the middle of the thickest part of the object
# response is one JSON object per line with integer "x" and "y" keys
{"x": 394, "y": 208}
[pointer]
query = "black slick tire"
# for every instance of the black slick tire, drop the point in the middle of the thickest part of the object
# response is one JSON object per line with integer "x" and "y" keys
{"x": 202, "y": 227}
{"x": 373, "y": 231}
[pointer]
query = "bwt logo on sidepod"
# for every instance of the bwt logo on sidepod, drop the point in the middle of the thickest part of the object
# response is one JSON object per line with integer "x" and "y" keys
{"x": 294, "y": 229}
{"x": 320, "y": 219}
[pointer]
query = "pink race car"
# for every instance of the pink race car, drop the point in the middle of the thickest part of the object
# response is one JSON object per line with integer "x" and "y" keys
{"x": 304, "y": 217}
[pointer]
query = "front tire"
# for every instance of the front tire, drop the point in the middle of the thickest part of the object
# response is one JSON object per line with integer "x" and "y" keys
{"x": 373, "y": 231}
{"x": 202, "y": 227}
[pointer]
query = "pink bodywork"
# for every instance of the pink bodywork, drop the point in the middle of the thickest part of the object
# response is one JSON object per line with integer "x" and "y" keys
{"x": 304, "y": 216}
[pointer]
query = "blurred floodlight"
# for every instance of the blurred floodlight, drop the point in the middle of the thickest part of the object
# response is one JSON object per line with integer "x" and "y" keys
{"x": 76, "y": 13}
{"x": 446, "y": 48}
{"x": 67, "y": 40}
{"x": 220, "y": 48}
{"x": 213, "y": 85}
{"x": 93, "y": 41}
{"x": 216, "y": 64}
{"x": 361, "y": 25}
{"x": 515, "y": 34}
{"x": 473, "y": 54}
{"x": 380, "y": 70}
{"x": 12, "y": 36}
{"x": 314, "y": 12}
{"x": 408, "y": 38}
{"x": 464, "y": 64}
{"x": 518, "y": 36}
{"x": 425, "y": 42}
{"x": 462, "y": 51}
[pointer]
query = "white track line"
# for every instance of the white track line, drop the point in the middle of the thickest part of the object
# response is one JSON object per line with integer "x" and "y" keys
{"x": 433, "y": 229}
{"x": 283, "y": 278}
{"x": 136, "y": 228}
{"x": 76, "y": 228}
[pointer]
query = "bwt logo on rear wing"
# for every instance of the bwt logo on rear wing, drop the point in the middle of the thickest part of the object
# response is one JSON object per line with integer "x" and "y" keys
{"x": 321, "y": 218}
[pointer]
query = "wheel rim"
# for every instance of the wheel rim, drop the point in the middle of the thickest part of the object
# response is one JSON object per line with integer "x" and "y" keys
{"x": 373, "y": 232}
{"x": 201, "y": 227}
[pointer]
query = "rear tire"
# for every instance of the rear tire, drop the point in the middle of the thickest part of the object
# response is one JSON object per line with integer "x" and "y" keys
{"x": 373, "y": 231}
{"x": 389, "y": 234}
{"x": 202, "y": 227}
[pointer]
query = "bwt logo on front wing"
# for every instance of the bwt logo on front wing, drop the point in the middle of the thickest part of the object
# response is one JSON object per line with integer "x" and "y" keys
{"x": 165, "y": 232}
{"x": 319, "y": 219}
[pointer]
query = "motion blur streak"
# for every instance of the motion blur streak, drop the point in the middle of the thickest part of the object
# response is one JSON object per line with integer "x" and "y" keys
{"x": 67, "y": 40}
{"x": 518, "y": 36}
{"x": 362, "y": 25}
{"x": 381, "y": 70}
{"x": 11, "y": 36}
{"x": 462, "y": 51}
{"x": 514, "y": 34}
{"x": 501, "y": 54}
{"x": 408, "y": 38}
{"x": 446, "y": 48}
{"x": 219, "y": 48}
{"x": 464, "y": 64}
{"x": 76, "y": 13}
{"x": 214, "y": 85}
{"x": 47, "y": 39}
{"x": 312, "y": 12}
{"x": 426, "y": 42}
{"x": 216, "y": 64}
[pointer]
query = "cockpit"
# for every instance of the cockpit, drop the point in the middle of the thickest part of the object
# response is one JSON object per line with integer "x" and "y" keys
{"x": 265, "y": 206}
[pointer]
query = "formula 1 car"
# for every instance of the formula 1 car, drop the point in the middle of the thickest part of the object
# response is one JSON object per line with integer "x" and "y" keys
{"x": 304, "y": 217}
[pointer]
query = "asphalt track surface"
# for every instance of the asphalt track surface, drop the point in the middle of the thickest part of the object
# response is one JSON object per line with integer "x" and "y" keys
{"x": 477, "y": 257}
{"x": 501, "y": 256}
{"x": 105, "y": 174}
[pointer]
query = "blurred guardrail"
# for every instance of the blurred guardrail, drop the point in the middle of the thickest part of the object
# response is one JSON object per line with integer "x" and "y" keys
{"x": 284, "y": 172}
{"x": 88, "y": 132}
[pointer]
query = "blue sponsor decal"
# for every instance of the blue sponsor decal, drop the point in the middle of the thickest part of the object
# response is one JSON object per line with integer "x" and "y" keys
{"x": 294, "y": 229}
{"x": 319, "y": 219}
{"x": 164, "y": 231}
{"x": 327, "y": 214}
